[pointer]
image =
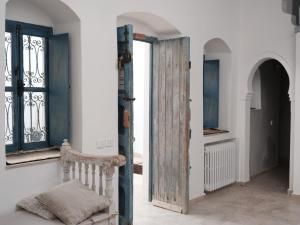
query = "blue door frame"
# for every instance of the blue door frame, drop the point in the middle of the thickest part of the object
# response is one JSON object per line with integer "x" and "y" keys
{"x": 125, "y": 121}
{"x": 125, "y": 99}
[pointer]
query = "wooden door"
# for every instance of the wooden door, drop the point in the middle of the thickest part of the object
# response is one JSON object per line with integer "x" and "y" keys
{"x": 125, "y": 108}
{"x": 170, "y": 124}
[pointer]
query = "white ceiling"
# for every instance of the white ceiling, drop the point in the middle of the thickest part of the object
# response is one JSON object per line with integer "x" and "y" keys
{"x": 156, "y": 23}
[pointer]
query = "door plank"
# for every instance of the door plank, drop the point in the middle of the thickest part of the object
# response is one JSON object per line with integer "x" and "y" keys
{"x": 186, "y": 137}
{"x": 155, "y": 121}
{"x": 176, "y": 118}
{"x": 169, "y": 190}
{"x": 162, "y": 120}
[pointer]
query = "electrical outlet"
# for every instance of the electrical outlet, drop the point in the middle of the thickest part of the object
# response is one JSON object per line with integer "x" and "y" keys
{"x": 104, "y": 143}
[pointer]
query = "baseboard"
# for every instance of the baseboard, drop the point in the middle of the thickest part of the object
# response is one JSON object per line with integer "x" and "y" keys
{"x": 296, "y": 196}
{"x": 198, "y": 199}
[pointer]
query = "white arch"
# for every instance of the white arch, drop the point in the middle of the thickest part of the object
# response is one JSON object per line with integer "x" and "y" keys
{"x": 263, "y": 58}
{"x": 157, "y": 24}
{"x": 216, "y": 44}
{"x": 57, "y": 10}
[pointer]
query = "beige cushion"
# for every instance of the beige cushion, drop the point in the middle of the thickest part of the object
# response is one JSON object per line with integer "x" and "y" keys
{"x": 32, "y": 205}
{"x": 72, "y": 202}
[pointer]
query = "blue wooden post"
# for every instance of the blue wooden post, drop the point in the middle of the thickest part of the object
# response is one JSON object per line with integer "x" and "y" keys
{"x": 125, "y": 105}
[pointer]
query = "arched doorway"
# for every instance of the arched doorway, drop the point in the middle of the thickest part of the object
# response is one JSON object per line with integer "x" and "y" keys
{"x": 270, "y": 116}
{"x": 141, "y": 84}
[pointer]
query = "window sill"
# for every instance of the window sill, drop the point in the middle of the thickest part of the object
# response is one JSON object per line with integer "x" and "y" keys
{"x": 34, "y": 157}
{"x": 214, "y": 131}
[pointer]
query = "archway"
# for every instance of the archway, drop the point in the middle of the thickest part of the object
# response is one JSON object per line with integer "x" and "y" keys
{"x": 268, "y": 119}
{"x": 164, "y": 48}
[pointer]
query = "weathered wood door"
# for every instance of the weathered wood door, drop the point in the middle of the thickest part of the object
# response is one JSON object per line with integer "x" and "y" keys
{"x": 125, "y": 107}
{"x": 170, "y": 124}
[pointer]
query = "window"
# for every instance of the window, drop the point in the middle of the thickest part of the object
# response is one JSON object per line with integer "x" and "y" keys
{"x": 211, "y": 93}
{"x": 31, "y": 69}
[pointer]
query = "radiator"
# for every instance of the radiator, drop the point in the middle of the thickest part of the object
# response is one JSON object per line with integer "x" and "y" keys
{"x": 219, "y": 165}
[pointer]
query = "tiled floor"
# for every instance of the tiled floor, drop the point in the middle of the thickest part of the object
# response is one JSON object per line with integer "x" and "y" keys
{"x": 263, "y": 201}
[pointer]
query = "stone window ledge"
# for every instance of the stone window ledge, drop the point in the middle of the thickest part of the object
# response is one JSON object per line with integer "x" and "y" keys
{"x": 34, "y": 157}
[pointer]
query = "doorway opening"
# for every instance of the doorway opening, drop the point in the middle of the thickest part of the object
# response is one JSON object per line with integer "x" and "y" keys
{"x": 158, "y": 87}
{"x": 270, "y": 118}
{"x": 141, "y": 122}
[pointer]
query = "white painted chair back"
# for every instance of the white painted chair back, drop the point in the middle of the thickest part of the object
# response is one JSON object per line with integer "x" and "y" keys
{"x": 90, "y": 168}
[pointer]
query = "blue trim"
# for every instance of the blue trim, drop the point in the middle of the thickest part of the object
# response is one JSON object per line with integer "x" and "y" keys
{"x": 147, "y": 39}
{"x": 27, "y": 28}
{"x": 18, "y": 29}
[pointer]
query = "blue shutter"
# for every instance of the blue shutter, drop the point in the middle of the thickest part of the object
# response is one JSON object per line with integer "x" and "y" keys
{"x": 59, "y": 89}
{"x": 211, "y": 93}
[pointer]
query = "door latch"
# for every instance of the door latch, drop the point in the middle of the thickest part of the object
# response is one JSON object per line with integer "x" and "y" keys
{"x": 128, "y": 99}
{"x": 20, "y": 88}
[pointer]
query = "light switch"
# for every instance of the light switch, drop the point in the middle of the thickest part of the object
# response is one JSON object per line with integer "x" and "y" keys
{"x": 104, "y": 143}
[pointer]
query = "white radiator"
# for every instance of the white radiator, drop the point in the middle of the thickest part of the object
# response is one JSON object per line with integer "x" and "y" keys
{"x": 219, "y": 165}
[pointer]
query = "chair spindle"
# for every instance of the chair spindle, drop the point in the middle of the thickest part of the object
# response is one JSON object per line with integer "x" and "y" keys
{"x": 86, "y": 174}
{"x": 93, "y": 177}
{"x": 100, "y": 180}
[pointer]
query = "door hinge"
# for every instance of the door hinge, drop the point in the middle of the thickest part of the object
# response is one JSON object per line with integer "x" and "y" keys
{"x": 190, "y": 64}
{"x": 190, "y": 133}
